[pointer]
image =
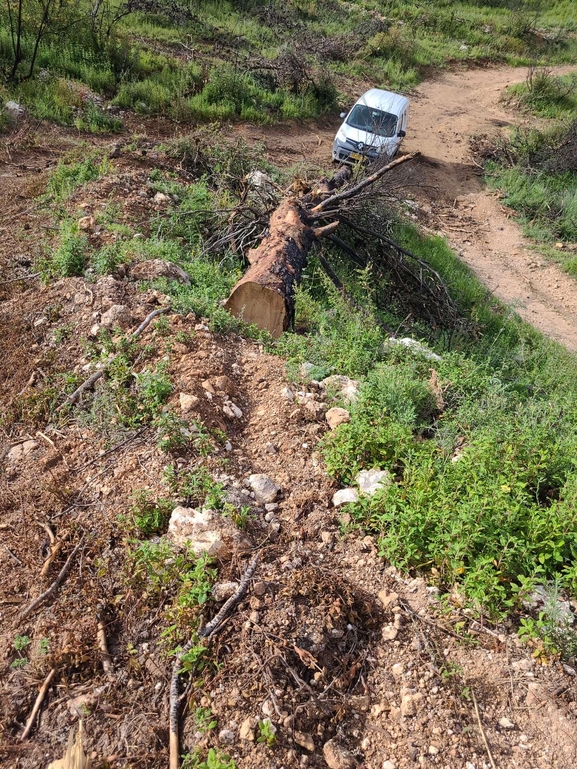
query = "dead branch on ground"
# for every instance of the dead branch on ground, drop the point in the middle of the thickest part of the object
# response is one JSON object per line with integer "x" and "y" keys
{"x": 54, "y": 586}
{"x": 207, "y": 633}
{"x": 37, "y": 704}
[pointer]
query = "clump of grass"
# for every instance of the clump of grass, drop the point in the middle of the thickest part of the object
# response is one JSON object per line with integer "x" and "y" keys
{"x": 546, "y": 94}
{"x": 68, "y": 176}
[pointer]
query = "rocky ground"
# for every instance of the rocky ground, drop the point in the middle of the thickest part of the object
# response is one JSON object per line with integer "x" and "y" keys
{"x": 332, "y": 644}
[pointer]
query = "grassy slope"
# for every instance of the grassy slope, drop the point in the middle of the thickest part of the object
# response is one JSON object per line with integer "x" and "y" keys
{"x": 214, "y": 60}
{"x": 538, "y": 174}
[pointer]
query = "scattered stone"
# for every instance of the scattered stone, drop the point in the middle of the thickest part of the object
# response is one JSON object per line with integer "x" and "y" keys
{"x": 223, "y": 384}
{"x": 413, "y": 345}
{"x": 371, "y": 481}
{"x": 270, "y": 507}
{"x": 398, "y": 669}
{"x": 188, "y": 402}
{"x": 226, "y": 737}
{"x": 287, "y": 393}
{"x": 222, "y": 591}
{"x": 259, "y": 588}
{"x": 14, "y": 108}
{"x": 80, "y": 706}
{"x": 343, "y": 496}
{"x": 388, "y": 764}
{"x": 409, "y": 704}
{"x": 232, "y": 410}
{"x": 265, "y": 489}
{"x": 204, "y": 531}
{"x": 315, "y": 409}
{"x": 207, "y": 385}
{"x": 433, "y": 750}
{"x": 388, "y": 600}
{"x": 305, "y": 369}
{"x": 21, "y": 450}
{"x": 158, "y": 268}
{"x": 347, "y": 389}
{"x": 270, "y": 448}
{"x": 337, "y": 416}
{"x": 117, "y": 315}
{"x": 247, "y": 730}
{"x": 161, "y": 197}
{"x": 390, "y": 632}
{"x": 504, "y": 723}
{"x": 337, "y": 756}
{"x": 305, "y": 741}
{"x": 86, "y": 223}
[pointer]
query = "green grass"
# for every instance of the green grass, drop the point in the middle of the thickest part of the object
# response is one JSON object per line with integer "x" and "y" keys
{"x": 547, "y": 95}
{"x": 538, "y": 176}
{"x": 289, "y": 57}
{"x": 484, "y": 492}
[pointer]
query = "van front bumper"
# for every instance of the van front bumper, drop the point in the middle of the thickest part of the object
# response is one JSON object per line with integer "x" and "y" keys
{"x": 345, "y": 152}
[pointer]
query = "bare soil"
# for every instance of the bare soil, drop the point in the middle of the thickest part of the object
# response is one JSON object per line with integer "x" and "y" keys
{"x": 319, "y": 646}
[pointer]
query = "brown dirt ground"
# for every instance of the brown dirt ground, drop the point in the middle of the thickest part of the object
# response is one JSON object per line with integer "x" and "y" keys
{"x": 311, "y": 646}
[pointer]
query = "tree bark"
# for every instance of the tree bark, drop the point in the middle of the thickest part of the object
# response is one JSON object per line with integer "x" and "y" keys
{"x": 264, "y": 296}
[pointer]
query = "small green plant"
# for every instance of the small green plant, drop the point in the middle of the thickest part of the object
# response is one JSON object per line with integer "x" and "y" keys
{"x": 21, "y": 642}
{"x": 266, "y": 733}
{"x": 204, "y": 720}
{"x": 553, "y": 627}
{"x": 44, "y": 645}
{"x": 174, "y": 433}
{"x": 213, "y": 759}
{"x": 150, "y": 515}
{"x": 71, "y": 256}
{"x": 195, "y": 487}
{"x": 63, "y": 333}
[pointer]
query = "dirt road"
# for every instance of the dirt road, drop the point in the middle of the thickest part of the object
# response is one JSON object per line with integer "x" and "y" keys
{"x": 444, "y": 113}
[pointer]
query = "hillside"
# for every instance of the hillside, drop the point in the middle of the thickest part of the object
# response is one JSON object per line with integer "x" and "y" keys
{"x": 154, "y": 449}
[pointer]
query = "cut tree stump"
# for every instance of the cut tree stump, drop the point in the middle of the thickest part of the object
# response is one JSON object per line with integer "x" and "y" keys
{"x": 264, "y": 296}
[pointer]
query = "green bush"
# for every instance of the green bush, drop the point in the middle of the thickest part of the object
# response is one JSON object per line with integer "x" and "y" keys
{"x": 71, "y": 256}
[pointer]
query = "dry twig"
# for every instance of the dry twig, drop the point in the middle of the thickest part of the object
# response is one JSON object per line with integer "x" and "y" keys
{"x": 54, "y": 586}
{"x": 483, "y": 735}
{"x": 38, "y": 702}
{"x": 367, "y": 182}
{"x": 207, "y": 632}
{"x": 105, "y": 657}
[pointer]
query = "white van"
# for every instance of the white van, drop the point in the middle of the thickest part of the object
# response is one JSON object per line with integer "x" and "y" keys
{"x": 374, "y": 127}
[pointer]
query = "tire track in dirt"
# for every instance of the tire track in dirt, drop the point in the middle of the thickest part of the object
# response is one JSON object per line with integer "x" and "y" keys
{"x": 446, "y": 112}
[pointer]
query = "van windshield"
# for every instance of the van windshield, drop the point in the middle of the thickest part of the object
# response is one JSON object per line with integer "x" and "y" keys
{"x": 373, "y": 120}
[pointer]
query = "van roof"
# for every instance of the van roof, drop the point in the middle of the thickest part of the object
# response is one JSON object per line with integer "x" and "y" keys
{"x": 387, "y": 101}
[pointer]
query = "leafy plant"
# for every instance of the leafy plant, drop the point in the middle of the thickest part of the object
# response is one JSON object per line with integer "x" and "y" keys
{"x": 151, "y": 516}
{"x": 213, "y": 759}
{"x": 266, "y": 732}
{"x": 204, "y": 719}
{"x": 21, "y": 642}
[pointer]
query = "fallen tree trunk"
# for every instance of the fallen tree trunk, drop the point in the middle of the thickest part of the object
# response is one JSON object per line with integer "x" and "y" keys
{"x": 264, "y": 296}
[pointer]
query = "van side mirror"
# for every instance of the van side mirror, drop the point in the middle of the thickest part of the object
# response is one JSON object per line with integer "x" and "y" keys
{"x": 343, "y": 114}
{"x": 402, "y": 134}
